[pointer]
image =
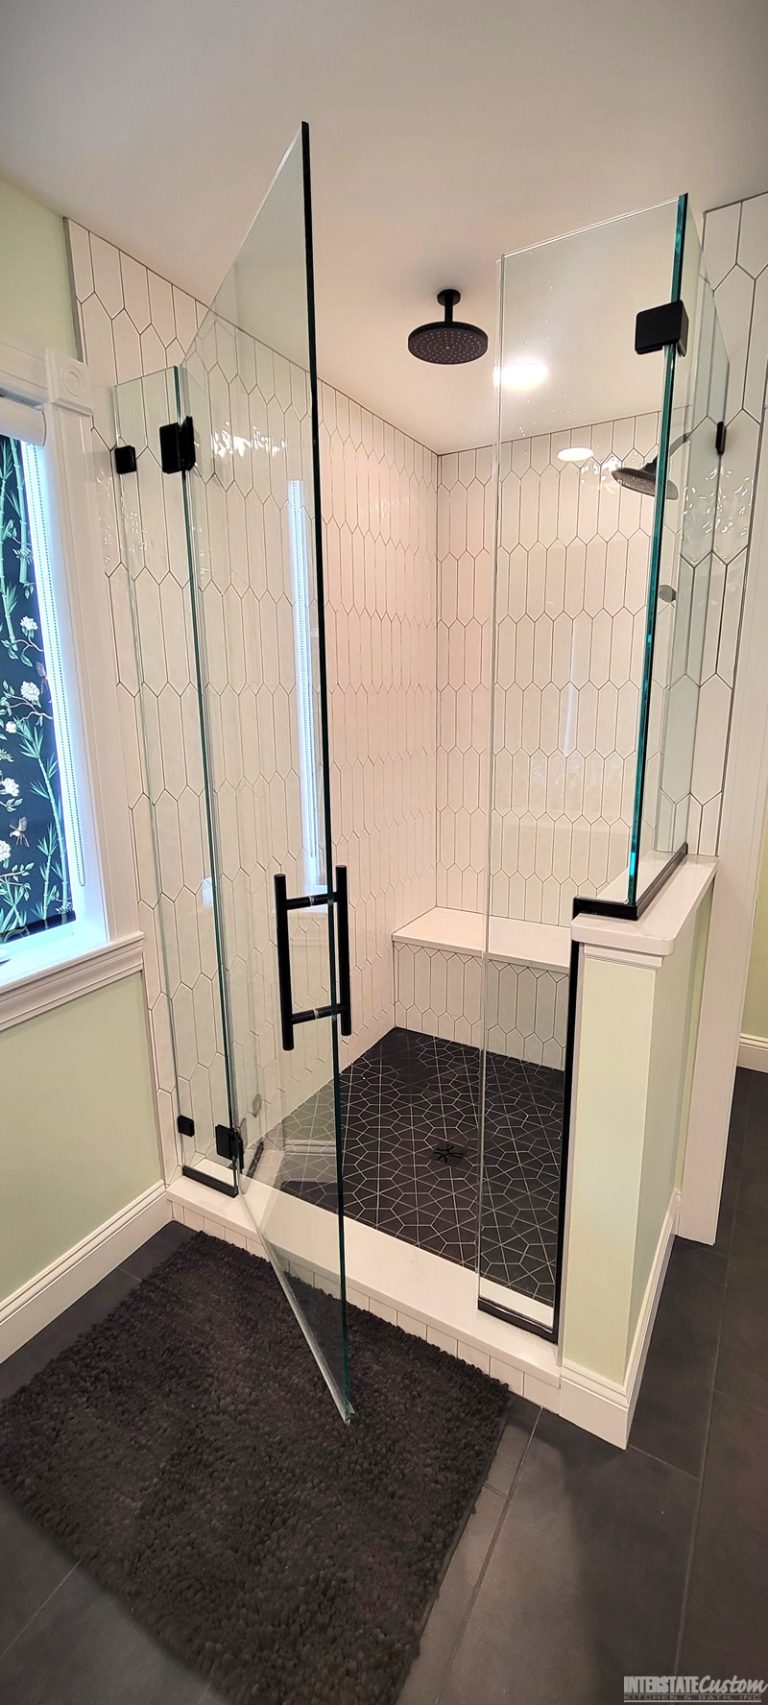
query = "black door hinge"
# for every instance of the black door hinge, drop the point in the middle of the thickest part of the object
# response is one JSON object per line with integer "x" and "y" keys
{"x": 177, "y": 446}
{"x": 124, "y": 458}
{"x": 185, "y": 1126}
{"x": 229, "y": 1144}
{"x": 720, "y": 437}
{"x": 657, "y": 327}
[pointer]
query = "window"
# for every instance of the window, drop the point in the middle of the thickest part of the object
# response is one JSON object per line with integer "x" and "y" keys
{"x": 37, "y": 827}
{"x": 68, "y": 903}
{"x": 309, "y": 761}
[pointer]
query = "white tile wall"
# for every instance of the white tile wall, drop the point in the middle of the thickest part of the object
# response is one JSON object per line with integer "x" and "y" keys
{"x": 379, "y": 491}
{"x": 409, "y": 578}
{"x": 736, "y": 256}
{"x": 380, "y": 497}
{"x": 570, "y": 613}
{"x": 441, "y": 993}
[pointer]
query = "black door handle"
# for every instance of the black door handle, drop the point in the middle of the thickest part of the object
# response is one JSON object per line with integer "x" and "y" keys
{"x": 342, "y": 937}
{"x": 284, "y": 963}
{"x": 343, "y": 1007}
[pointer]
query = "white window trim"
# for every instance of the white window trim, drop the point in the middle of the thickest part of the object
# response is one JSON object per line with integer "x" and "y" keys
{"x": 57, "y": 965}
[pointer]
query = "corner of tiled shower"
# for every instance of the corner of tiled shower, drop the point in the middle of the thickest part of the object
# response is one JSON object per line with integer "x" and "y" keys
{"x": 409, "y": 554}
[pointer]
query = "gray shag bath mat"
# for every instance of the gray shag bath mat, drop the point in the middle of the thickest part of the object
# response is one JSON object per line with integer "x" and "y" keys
{"x": 186, "y": 1450}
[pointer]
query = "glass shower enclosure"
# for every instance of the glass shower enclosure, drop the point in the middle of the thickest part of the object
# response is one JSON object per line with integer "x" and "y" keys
{"x": 606, "y": 514}
{"x": 252, "y": 916}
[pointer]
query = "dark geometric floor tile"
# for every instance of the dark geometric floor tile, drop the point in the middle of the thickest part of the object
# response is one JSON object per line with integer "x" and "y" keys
{"x": 726, "y": 1625}
{"x": 585, "y": 1581}
{"x": 403, "y": 1099}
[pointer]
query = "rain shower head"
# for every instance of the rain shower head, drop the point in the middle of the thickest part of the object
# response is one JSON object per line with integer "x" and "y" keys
{"x": 643, "y": 480}
{"x": 448, "y": 342}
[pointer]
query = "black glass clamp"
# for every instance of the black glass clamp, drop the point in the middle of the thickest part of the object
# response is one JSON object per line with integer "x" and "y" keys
{"x": 343, "y": 1007}
{"x": 177, "y": 446}
{"x": 657, "y": 327}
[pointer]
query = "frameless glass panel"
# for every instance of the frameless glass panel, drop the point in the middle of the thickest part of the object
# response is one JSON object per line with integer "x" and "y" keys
{"x": 249, "y": 385}
{"x": 577, "y": 408}
{"x": 686, "y": 506}
{"x": 168, "y": 798}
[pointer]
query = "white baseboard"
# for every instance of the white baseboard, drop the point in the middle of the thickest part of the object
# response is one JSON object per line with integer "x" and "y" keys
{"x": 603, "y": 1406}
{"x": 753, "y": 1053}
{"x": 45, "y": 1296}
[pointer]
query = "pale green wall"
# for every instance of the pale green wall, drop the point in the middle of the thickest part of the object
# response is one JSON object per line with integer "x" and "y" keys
{"x": 77, "y": 1141}
{"x": 755, "y": 1020}
{"x": 637, "y": 1037}
{"x": 77, "y": 1128}
{"x": 35, "y": 292}
{"x": 606, "y": 1162}
{"x": 676, "y": 1008}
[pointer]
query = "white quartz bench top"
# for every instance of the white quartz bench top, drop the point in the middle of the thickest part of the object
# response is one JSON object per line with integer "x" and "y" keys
{"x": 545, "y": 945}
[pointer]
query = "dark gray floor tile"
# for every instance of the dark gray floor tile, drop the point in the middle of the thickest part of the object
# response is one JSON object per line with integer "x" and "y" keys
{"x": 672, "y": 1413}
{"x": 753, "y": 1178}
{"x": 31, "y": 1568}
{"x": 726, "y": 1626}
{"x": 18, "y": 1370}
{"x": 732, "y": 1171}
{"x": 83, "y": 1648}
{"x": 742, "y": 1366}
{"x": 522, "y": 1420}
{"x": 151, "y": 1254}
{"x": 453, "y": 1601}
{"x": 585, "y": 1581}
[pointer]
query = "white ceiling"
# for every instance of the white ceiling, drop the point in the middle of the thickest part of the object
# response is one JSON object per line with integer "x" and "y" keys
{"x": 443, "y": 132}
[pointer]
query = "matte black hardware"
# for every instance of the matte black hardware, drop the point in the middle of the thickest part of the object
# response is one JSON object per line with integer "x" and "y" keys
{"x": 229, "y": 1144}
{"x": 449, "y": 1151}
{"x": 208, "y": 1178}
{"x": 255, "y": 1158}
{"x": 720, "y": 437}
{"x": 657, "y": 327}
{"x": 342, "y": 1009}
{"x": 284, "y": 963}
{"x": 177, "y": 446}
{"x": 185, "y": 1126}
{"x": 342, "y": 938}
{"x": 124, "y": 456}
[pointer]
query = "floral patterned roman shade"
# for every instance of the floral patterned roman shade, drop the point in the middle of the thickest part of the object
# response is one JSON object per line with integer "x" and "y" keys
{"x": 35, "y": 888}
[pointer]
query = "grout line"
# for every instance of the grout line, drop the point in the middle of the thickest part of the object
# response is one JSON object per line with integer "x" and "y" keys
{"x": 506, "y": 1502}
{"x": 663, "y": 1462}
{"x": 40, "y": 1607}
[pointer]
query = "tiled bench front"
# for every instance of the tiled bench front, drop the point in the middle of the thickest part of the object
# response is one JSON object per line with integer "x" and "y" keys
{"x": 438, "y": 982}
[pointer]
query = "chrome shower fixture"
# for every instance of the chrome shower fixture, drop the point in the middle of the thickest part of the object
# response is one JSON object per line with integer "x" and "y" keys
{"x": 448, "y": 342}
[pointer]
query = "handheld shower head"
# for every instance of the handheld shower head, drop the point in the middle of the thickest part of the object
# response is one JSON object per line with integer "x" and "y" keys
{"x": 448, "y": 342}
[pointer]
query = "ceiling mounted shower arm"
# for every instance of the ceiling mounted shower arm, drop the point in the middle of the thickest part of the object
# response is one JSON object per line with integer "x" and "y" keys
{"x": 449, "y": 299}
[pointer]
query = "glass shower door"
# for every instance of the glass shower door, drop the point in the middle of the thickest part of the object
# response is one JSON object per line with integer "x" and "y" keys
{"x": 252, "y": 503}
{"x": 252, "y": 912}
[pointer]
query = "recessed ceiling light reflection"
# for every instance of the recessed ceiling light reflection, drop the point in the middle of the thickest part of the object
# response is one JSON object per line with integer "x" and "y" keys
{"x": 575, "y": 453}
{"x": 524, "y": 373}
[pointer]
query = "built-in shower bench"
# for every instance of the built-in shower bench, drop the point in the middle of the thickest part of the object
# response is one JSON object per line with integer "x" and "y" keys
{"x": 438, "y": 981}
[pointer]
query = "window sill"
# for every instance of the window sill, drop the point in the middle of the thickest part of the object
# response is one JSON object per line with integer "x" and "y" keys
{"x": 45, "y": 972}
